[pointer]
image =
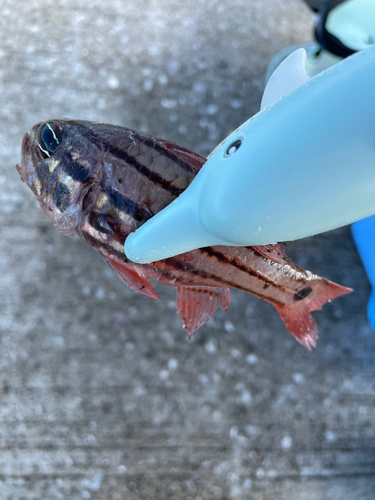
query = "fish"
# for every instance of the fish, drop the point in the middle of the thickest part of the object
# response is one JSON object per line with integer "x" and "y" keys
{"x": 104, "y": 181}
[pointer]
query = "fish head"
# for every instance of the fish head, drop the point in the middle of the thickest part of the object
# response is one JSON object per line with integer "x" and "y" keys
{"x": 61, "y": 163}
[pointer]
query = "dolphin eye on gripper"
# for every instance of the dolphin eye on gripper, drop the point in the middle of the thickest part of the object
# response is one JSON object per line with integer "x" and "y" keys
{"x": 304, "y": 164}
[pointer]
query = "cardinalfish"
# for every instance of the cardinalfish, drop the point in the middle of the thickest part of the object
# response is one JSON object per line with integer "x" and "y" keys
{"x": 105, "y": 181}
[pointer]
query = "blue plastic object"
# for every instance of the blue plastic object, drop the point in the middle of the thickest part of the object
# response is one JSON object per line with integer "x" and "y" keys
{"x": 364, "y": 236}
{"x": 301, "y": 166}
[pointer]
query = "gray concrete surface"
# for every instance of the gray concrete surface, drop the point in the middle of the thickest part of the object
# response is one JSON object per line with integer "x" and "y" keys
{"x": 102, "y": 396}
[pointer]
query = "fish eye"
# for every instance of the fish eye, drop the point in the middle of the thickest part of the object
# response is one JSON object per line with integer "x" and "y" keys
{"x": 233, "y": 147}
{"x": 49, "y": 138}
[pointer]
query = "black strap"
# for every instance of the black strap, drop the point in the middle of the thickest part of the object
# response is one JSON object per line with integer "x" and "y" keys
{"x": 315, "y": 5}
{"x": 325, "y": 38}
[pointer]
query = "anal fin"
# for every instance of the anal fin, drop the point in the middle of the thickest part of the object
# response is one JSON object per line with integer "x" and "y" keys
{"x": 130, "y": 277}
{"x": 198, "y": 304}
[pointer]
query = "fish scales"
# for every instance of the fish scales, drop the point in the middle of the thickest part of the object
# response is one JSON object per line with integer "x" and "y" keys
{"x": 105, "y": 181}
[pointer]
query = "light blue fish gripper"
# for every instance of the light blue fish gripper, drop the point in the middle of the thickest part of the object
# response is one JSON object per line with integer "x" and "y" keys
{"x": 301, "y": 166}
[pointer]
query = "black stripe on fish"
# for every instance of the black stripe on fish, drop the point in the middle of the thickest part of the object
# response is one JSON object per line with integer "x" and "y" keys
{"x": 205, "y": 275}
{"x": 169, "y": 154}
{"x": 120, "y": 202}
{"x": 153, "y": 176}
{"x": 134, "y": 163}
{"x": 74, "y": 169}
{"x": 43, "y": 171}
{"x": 61, "y": 196}
{"x": 97, "y": 221}
{"x": 98, "y": 245}
{"x": 225, "y": 259}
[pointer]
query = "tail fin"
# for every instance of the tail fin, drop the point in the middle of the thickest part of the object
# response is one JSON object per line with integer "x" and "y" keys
{"x": 297, "y": 317}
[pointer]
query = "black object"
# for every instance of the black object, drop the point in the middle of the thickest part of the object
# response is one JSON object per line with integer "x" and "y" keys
{"x": 316, "y": 5}
{"x": 325, "y": 39}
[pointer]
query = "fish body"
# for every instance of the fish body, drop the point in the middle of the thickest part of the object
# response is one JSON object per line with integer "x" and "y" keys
{"x": 105, "y": 181}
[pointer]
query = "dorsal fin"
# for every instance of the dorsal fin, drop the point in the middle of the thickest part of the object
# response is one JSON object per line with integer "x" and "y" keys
{"x": 288, "y": 76}
{"x": 276, "y": 253}
{"x": 198, "y": 304}
{"x": 196, "y": 160}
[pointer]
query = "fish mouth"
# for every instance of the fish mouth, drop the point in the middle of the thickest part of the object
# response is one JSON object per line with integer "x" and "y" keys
{"x": 24, "y": 147}
{"x": 25, "y": 141}
{"x": 19, "y": 170}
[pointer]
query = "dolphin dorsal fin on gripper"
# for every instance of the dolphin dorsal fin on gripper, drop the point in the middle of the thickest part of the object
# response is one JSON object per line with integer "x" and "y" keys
{"x": 288, "y": 76}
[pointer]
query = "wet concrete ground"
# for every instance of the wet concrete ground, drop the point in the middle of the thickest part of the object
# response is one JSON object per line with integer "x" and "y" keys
{"x": 102, "y": 396}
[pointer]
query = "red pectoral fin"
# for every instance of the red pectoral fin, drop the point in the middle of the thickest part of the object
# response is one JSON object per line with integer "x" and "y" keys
{"x": 197, "y": 305}
{"x": 196, "y": 160}
{"x": 128, "y": 275}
